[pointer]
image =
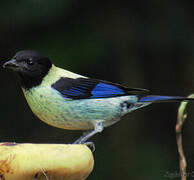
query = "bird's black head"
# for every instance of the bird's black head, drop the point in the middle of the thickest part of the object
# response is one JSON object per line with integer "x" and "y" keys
{"x": 32, "y": 67}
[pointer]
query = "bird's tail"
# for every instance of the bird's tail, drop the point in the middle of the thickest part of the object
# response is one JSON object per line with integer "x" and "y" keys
{"x": 155, "y": 98}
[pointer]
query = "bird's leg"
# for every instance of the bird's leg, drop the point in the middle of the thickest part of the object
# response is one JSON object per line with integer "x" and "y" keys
{"x": 98, "y": 128}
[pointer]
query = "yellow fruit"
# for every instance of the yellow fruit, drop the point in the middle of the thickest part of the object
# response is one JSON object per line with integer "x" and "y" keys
{"x": 45, "y": 161}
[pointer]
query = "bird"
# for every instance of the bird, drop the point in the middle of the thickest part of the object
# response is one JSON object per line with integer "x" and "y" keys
{"x": 67, "y": 100}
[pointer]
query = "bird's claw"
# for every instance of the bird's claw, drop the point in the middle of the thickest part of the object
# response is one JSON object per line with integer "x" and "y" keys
{"x": 91, "y": 145}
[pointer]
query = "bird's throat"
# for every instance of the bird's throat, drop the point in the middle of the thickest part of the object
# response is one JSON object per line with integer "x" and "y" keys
{"x": 28, "y": 82}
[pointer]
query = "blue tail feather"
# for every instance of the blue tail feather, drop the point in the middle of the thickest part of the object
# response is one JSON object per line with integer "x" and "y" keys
{"x": 161, "y": 98}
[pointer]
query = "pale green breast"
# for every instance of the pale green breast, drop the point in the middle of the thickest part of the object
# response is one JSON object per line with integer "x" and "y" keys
{"x": 51, "y": 108}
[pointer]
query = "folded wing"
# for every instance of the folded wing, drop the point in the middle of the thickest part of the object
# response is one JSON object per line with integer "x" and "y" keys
{"x": 86, "y": 88}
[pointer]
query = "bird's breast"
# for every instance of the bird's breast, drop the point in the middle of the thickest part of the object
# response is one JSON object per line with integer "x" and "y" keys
{"x": 56, "y": 110}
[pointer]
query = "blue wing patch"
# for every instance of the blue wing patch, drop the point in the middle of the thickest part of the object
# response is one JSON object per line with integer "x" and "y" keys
{"x": 85, "y": 88}
{"x": 106, "y": 90}
{"x": 100, "y": 90}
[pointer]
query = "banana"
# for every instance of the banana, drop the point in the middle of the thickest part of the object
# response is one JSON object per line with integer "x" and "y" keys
{"x": 45, "y": 161}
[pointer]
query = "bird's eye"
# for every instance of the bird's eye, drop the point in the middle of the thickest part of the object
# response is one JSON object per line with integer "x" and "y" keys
{"x": 29, "y": 62}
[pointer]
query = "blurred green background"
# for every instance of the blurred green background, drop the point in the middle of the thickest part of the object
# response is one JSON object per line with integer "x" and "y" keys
{"x": 147, "y": 44}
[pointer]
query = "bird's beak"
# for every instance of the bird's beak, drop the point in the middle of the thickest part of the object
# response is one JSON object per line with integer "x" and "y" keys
{"x": 12, "y": 64}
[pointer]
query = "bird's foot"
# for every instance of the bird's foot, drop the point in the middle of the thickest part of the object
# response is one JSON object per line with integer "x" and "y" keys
{"x": 83, "y": 139}
{"x": 90, "y": 144}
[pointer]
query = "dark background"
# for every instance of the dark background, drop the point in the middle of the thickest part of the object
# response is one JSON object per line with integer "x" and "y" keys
{"x": 147, "y": 44}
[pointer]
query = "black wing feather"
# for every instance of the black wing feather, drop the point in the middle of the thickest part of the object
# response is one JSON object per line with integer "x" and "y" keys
{"x": 87, "y": 88}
